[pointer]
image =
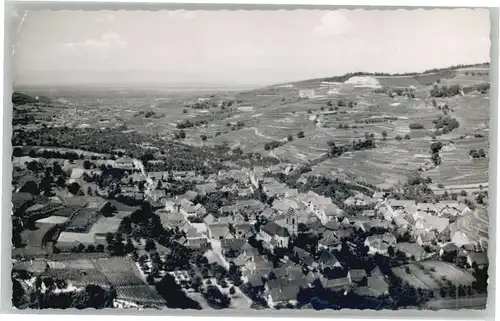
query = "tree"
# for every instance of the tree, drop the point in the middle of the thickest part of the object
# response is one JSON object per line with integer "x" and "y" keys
{"x": 173, "y": 294}
{"x": 384, "y": 135}
{"x": 109, "y": 238}
{"x": 203, "y": 137}
{"x": 74, "y": 188}
{"x": 150, "y": 279}
{"x": 30, "y": 187}
{"x": 390, "y": 251}
{"x": 18, "y": 293}
{"x": 100, "y": 248}
{"x": 290, "y": 138}
{"x": 300, "y": 134}
{"x": 407, "y": 136}
{"x": 86, "y": 164}
{"x": 398, "y": 137}
{"x": 150, "y": 245}
{"x": 232, "y": 290}
{"x": 60, "y": 181}
{"x": 216, "y": 298}
{"x": 182, "y": 134}
{"x": 17, "y": 152}
{"x": 481, "y": 153}
{"x": 463, "y": 193}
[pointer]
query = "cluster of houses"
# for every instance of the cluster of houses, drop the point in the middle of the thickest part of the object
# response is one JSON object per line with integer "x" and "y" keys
{"x": 224, "y": 235}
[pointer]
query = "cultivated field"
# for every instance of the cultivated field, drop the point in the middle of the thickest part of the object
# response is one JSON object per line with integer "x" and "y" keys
{"x": 432, "y": 275}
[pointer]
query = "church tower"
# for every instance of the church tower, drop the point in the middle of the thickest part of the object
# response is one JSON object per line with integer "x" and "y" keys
{"x": 291, "y": 221}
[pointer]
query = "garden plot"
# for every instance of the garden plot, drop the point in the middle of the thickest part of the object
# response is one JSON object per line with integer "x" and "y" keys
{"x": 119, "y": 271}
{"x": 76, "y": 277}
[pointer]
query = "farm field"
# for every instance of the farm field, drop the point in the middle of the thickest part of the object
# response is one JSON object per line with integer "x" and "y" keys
{"x": 38, "y": 236}
{"x": 119, "y": 271}
{"x": 432, "y": 275}
{"x": 144, "y": 294}
{"x": 476, "y": 303}
{"x": 83, "y": 221}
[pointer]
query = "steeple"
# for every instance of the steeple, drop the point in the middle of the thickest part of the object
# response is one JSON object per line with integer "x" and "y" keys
{"x": 291, "y": 221}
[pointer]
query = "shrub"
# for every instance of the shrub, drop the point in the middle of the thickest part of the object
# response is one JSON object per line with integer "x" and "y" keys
{"x": 407, "y": 136}
{"x": 232, "y": 290}
{"x": 272, "y": 145}
{"x": 416, "y": 126}
{"x": 300, "y": 134}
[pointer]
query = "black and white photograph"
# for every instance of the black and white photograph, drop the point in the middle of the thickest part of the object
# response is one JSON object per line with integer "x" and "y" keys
{"x": 243, "y": 160}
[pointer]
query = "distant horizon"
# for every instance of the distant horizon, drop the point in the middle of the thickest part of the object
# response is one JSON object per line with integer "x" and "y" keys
{"x": 210, "y": 85}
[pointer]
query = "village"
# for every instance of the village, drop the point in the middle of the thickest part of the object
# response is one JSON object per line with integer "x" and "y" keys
{"x": 238, "y": 238}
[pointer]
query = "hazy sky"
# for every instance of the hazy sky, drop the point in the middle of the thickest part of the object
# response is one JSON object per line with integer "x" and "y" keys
{"x": 240, "y": 47}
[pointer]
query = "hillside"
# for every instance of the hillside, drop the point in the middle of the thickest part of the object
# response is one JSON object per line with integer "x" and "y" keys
{"x": 401, "y": 114}
{"x": 425, "y": 78}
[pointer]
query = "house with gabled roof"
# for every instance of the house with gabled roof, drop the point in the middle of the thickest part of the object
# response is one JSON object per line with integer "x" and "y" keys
{"x": 338, "y": 285}
{"x": 219, "y": 231}
{"x": 209, "y": 219}
{"x": 426, "y": 238}
{"x": 479, "y": 259}
{"x": 357, "y": 276}
{"x": 328, "y": 259}
{"x": 380, "y": 243}
{"x": 410, "y": 250}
